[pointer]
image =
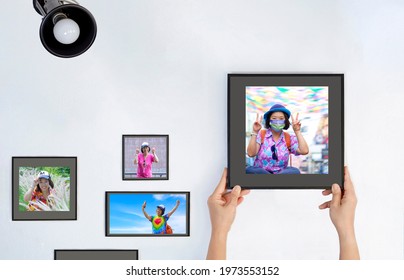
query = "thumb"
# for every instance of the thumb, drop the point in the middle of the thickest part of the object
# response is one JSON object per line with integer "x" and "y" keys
{"x": 235, "y": 194}
{"x": 336, "y": 196}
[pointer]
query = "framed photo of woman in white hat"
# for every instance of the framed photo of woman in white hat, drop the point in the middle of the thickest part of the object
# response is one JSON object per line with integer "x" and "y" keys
{"x": 145, "y": 157}
{"x": 286, "y": 131}
{"x": 44, "y": 188}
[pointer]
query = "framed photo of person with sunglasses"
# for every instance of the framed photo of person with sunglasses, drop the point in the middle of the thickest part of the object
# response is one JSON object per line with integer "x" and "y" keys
{"x": 145, "y": 157}
{"x": 285, "y": 131}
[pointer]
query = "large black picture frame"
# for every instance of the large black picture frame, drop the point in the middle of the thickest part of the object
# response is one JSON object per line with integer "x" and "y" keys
{"x": 236, "y": 136}
{"x": 69, "y": 162}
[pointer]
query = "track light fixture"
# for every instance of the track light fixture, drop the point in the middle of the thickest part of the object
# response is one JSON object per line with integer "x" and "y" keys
{"x": 67, "y": 29}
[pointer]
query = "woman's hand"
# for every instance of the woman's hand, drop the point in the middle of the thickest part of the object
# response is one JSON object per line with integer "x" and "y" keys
{"x": 51, "y": 201}
{"x": 178, "y": 203}
{"x": 144, "y": 205}
{"x": 222, "y": 209}
{"x": 153, "y": 151}
{"x": 342, "y": 213}
{"x": 296, "y": 125}
{"x": 223, "y": 204}
{"x": 257, "y": 124}
{"x": 28, "y": 194}
{"x": 342, "y": 205}
{"x": 35, "y": 183}
{"x": 137, "y": 151}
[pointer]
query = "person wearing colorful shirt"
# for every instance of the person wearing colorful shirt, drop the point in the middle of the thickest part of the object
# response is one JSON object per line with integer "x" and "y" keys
{"x": 144, "y": 160}
{"x": 272, "y": 153}
{"x": 39, "y": 196}
{"x": 159, "y": 222}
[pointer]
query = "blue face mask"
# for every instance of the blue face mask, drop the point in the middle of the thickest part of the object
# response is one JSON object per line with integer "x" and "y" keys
{"x": 277, "y": 125}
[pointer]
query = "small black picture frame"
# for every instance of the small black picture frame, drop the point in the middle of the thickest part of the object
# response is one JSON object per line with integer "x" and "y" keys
{"x": 155, "y": 167}
{"x": 96, "y": 254}
{"x": 124, "y": 216}
{"x": 29, "y": 203}
{"x": 319, "y": 100}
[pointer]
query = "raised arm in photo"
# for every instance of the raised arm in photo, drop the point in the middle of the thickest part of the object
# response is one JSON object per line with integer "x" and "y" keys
{"x": 28, "y": 194}
{"x": 303, "y": 148}
{"x": 253, "y": 147}
{"x": 156, "y": 159}
{"x": 144, "y": 211}
{"x": 174, "y": 209}
{"x": 135, "y": 161}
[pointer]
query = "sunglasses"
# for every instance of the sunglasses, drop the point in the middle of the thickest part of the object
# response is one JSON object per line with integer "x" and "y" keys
{"x": 273, "y": 150}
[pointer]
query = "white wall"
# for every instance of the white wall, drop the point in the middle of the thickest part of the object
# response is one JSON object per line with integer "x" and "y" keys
{"x": 160, "y": 67}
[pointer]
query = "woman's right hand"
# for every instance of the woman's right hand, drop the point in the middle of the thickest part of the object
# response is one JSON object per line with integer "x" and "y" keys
{"x": 342, "y": 205}
{"x": 222, "y": 205}
{"x": 342, "y": 213}
{"x": 137, "y": 151}
{"x": 257, "y": 124}
{"x": 144, "y": 205}
{"x": 35, "y": 183}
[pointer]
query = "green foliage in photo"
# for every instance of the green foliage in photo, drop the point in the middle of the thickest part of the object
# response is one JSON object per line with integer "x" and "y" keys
{"x": 60, "y": 194}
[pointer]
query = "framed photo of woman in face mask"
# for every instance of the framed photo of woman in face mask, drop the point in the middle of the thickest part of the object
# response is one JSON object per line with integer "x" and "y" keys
{"x": 286, "y": 131}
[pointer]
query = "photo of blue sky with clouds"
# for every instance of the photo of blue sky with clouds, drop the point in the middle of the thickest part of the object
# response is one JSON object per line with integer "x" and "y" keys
{"x": 126, "y": 216}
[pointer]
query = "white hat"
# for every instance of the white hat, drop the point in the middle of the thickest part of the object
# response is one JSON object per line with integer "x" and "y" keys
{"x": 44, "y": 174}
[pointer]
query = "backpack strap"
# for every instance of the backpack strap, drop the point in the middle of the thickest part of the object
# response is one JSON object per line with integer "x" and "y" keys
{"x": 262, "y": 134}
{"x": 287, "y": 139}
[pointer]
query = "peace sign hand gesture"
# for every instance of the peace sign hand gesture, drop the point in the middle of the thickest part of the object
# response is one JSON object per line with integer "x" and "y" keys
{"x": 257, "y": 124}
{"x": 296, "y": 125}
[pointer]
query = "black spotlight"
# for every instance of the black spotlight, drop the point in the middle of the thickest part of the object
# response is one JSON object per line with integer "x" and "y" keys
{"x": 67, "y": 29}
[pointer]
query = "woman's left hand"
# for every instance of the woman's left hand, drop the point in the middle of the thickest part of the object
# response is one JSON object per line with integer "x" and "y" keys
{"x": 153, "y": 151}
{"x": 296, "y": 123}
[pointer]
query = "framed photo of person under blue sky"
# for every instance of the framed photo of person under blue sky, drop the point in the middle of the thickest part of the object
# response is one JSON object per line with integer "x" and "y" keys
{"x": 285, "y": 131}
{"x": 154, "y": 214}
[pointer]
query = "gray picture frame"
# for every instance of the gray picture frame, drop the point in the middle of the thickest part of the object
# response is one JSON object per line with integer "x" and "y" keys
{"x": 18, "y": 162}
{"x": 108, "y": 231}
{"x": 96, "y": 254}
{"x": 132, "y": 141}
{"x": 237, "y": 84}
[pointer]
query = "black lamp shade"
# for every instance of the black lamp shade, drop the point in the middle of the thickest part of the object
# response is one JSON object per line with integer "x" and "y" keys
{"x": 88, "y": 31}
